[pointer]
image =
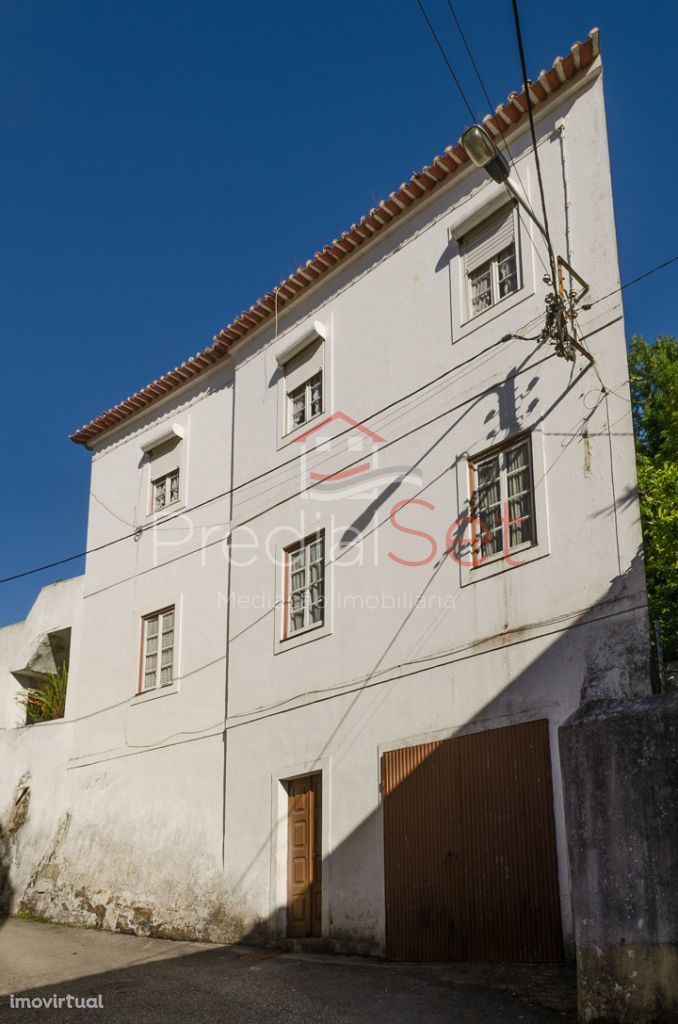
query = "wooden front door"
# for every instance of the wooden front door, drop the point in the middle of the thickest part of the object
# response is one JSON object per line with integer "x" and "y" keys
{"x": 304, "y": 857}
{"x": 470, "y": 850}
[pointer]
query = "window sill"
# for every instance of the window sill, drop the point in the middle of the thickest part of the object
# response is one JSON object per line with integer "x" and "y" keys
{"x": 166, "y": 512}
{"x": 509, "y": 556}
{"x": 472, "y": 323}
{"x": 294, "y": 435}
{"x": 301, "y": 637}
{"x": 502, "y": 563}
{"x": 160, "y": 691}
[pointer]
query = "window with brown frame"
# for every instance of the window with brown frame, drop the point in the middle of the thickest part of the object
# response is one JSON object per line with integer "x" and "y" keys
{"x": 304, "y": 585}
{"x": 157, "y": 649}
{"x": 502, "y": 500}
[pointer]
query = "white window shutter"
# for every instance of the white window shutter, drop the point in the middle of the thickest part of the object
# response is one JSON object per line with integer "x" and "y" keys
{"x": 488, "y": 239}
{"x": 166, "y": 458}
{"x": 304, "y": 365}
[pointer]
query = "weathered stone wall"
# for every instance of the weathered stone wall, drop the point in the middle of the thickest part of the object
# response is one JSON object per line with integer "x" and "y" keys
{"x": 128, "y": 845}
{"x": 620, "y": 778}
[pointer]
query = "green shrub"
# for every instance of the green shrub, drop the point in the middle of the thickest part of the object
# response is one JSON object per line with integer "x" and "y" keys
{"x": 654, "y": 398}
{"x": 49, "y": 701}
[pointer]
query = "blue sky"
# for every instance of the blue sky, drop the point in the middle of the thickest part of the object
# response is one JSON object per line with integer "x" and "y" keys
{"x": 165, "y": 163}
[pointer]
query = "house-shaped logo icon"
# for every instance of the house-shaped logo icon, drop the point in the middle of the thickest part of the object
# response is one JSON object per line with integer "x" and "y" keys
{"x": 343, "y": 463}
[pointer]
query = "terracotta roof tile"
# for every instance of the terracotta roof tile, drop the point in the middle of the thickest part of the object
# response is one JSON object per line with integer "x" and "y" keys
{"x": 421, "y": 184}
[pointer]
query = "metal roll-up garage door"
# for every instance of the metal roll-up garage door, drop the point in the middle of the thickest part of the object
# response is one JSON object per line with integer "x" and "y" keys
{"x": 469, "y": 848}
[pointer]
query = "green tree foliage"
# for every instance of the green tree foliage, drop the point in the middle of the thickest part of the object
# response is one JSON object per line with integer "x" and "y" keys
{"x": 653, "y": 370}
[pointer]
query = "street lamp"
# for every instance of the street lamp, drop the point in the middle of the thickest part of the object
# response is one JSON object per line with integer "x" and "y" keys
{"x": 483, "y": 153}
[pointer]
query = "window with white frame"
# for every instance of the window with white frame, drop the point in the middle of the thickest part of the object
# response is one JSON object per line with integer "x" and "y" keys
{"x": 491, "y": 262}
{"x": 502, "y": 500}
{"x": 305, "y": 584}
{"x": 157, "y": 667}
{"x": 165, "y": 474}
{"x": 304, "y": 386}
{"x": 166, "y": 490}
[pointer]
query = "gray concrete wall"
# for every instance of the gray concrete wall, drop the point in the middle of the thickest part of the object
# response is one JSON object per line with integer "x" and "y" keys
{"x": 620, "y": 778}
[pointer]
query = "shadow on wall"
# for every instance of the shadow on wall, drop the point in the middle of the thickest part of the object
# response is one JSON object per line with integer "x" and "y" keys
{"x": 467, "y": 823}
{"x": 604, "y": 644}
{"x": 603, "y": 651}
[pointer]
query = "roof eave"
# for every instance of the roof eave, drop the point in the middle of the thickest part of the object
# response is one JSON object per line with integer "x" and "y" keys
{"x": 412, "y": 194}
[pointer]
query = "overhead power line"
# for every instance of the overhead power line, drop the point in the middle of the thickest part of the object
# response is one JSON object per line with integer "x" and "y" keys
{"x": 142, "y": 529}
{"x": 635, "y": 280}
{"x": 533, "y": 134}
{"x": 502, "y": 140}
{"x": 138, "y": 531}
{"x": 444, "y": 56}
{"x": 223, "y": 494}
{"x": 470, "y": 56}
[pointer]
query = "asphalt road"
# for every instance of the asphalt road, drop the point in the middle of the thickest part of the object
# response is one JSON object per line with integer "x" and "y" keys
{"x": 151, "y": 980}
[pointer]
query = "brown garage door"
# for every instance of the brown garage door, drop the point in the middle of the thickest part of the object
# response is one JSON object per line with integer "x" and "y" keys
{"x": 469, "y": 848}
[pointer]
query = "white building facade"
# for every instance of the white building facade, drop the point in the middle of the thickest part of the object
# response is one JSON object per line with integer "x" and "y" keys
{"x": 383, "y": 542}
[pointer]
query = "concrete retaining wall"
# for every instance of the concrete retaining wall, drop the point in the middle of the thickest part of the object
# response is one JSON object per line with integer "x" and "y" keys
{"x": 620, "y": 778}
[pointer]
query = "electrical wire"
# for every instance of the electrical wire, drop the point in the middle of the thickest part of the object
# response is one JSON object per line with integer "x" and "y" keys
{"x": 236, "y": 524}
{"x": 444, "y": 56}
{"x": 312, "y": 485}
{"x": 289, "y": 497}
{"x": 533, "y": 133}
{"x": 470, "y": 55}
{"x": 635, "y": 280}
{"x": 138, "y": 531}
{"x": 223, "y": 494}
{"x": 141, "y": 529}
{"x": 246, "y": 483}
{"x": 537, "y": 337}
{"x": 394, "y": 440}
{"x": 393, "y": 674}
{"x": 489, "y": 102}
{"x": 501, "y": 138}
{"x": 436, "y": 392}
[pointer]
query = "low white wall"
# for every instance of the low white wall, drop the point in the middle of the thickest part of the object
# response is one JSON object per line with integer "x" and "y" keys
{"x": 11, "y": 714}
{"x": 57, "y": 606}
{"x": 128, "y": 844}
{"x": 32, "y": 797}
